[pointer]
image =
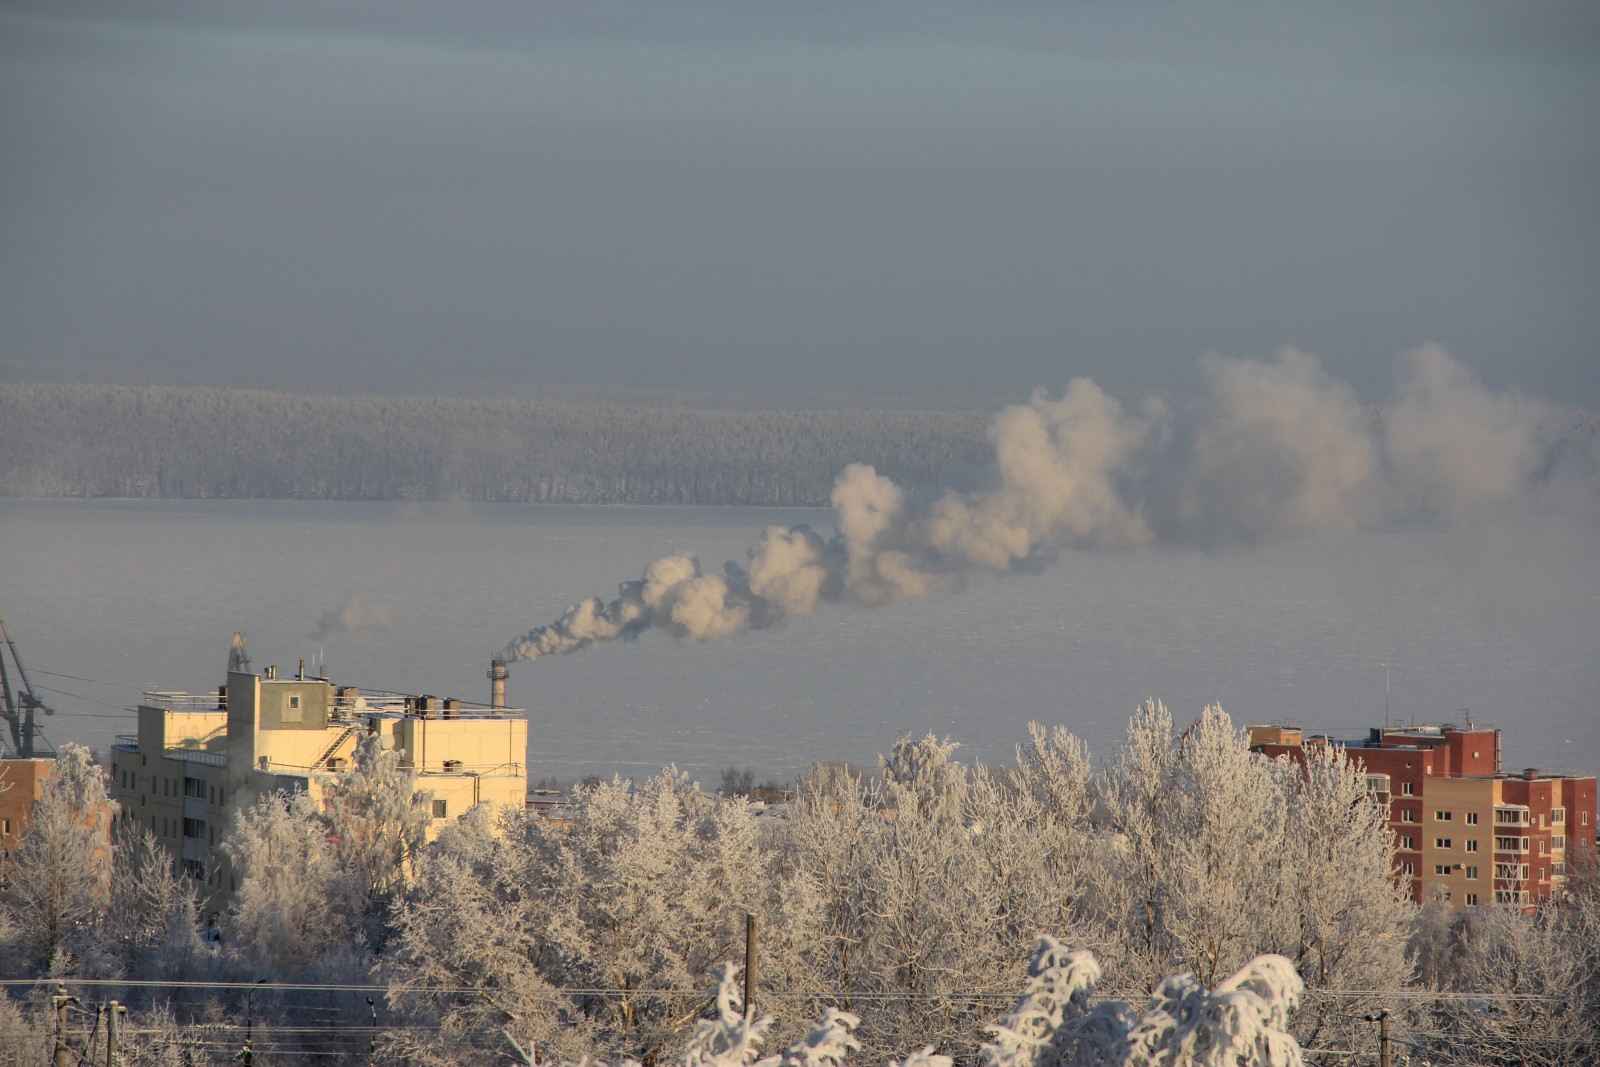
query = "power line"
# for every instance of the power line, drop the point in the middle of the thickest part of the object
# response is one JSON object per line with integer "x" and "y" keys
{"x": 91, "y": 681}
{"x": 75, "y": 696}
{"x": 793, "y": 994}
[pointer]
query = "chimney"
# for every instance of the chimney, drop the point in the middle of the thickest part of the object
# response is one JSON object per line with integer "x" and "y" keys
{"x": 497, "y": 688}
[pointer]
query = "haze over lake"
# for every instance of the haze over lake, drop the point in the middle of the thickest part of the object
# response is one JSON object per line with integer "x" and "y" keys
{"x": 1497, "y": 622}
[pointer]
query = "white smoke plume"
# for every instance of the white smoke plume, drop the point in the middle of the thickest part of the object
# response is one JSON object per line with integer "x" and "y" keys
{"x": 354, "y": 614}
{"x": 1273, "y": 449}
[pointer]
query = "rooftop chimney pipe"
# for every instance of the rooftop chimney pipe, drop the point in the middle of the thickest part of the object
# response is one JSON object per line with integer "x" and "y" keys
{"x": 497, "y": 688}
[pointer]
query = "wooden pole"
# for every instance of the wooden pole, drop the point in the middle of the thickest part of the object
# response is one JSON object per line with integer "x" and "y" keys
{"x": 63, "y": 1056}
{"x": 749, "y": 965}
{"x": 111, "y": 1034}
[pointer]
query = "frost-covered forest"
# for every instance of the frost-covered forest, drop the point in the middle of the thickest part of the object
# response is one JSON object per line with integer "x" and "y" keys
{"x": 1171, "y": 908}
{"x": 567, "y": 447}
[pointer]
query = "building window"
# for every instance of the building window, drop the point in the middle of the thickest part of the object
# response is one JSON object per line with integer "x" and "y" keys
{"x": 1472, "y": 818}
{"x": 1441, "y": 869}
{"x": 1511, "y": 844}
{"x": 438, "y": 809}
{"x": 1408, "y": 843}
{"x": 1583, "y": 817}
{"x": 1558, "y": 816}
{"x": 1408, "y": 815}
{"x": 1472, "y": 845}
{"x": 1472, "y": 900}
{"x": 1510, "y": 896}
{"x": 1442, "y": 816}
{"x": 1472, "y": 874}
{"x": 1558, "y": 869}
{"x": 1511, "y": 872}
{"x": 1408, "y": 868}
{"x": 1407, "y": 789}
{"x": 1441, "y": 842}
{"x": 1558, "y": 843}
{"x": 195, "y": 828}
{"x": 1544, "y": 848}
{"x": 1511, "y": 816}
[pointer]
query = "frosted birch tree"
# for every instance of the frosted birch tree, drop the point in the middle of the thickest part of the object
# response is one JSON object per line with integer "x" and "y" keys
{"x": 1243, "y": 1022}
{"x": 149, "y": 923}
{"x": 1526, "y": 987}
{"x": 377, "y": 823}
{"x": 1224, "y": 805}
{"x": 293, "y": 903}
{"x": 468, "y": 953}
{"x": 818, "y": 862}
{"x": 56, "y": 880}
{"x": 1131, "y": 882}
{"x": 926, "y": 931}
{"x": 644, "y": 892}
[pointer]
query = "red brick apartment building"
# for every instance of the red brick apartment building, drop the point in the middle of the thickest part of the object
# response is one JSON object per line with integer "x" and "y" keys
{"x": 1462, "y": 825}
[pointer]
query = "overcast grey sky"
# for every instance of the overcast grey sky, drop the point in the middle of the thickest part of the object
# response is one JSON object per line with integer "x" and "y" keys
{"x": 901, "y": 197}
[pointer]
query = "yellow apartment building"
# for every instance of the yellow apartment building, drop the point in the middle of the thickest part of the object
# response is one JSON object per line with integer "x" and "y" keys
{"x": 199, "y": 758}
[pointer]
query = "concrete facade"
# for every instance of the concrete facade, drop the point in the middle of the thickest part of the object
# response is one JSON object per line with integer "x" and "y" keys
{"x": 199, "y": 758}
{"x": 1462, "y": 826}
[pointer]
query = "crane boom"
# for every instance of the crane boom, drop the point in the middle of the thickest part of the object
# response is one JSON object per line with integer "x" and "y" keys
{"x": 20, "y": 710}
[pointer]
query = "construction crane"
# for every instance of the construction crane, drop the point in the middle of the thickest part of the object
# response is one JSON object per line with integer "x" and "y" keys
{"x": 21, "y": 710}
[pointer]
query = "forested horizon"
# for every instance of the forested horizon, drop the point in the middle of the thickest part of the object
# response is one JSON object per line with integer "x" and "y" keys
{"x": 559, "y": 446}
{"x": 556, "y": 444}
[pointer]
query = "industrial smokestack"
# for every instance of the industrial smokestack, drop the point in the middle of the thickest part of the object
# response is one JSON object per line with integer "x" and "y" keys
{"x": 497, "y": 689}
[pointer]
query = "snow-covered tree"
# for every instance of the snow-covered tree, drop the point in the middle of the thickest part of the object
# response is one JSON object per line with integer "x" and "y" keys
{"x": 827, "y": 1044}
{"x": 293, "y": 902}
{"x": 1054, "y": 1024}
{"x": 57, "y": 879}
{"x": 1243, "y": 1021}
{"x": 377, "y": 823}
{"x": 1345, "y": 925}
{"x": 148, "y": 927}
{"x": 1131, "y": 881}
{"x": 835, "y": 821}
{"x": 1224, "y": 803}
{"x": 926, "y": 932}
{"x": 732, "y": 1037}
{"x": 1525, "y": 988}
{"x": 643, "y": 893}
{"x": 466, "y": 956}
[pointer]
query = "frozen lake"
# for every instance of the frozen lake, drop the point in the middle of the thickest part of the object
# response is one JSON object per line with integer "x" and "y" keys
{"x": 1499, "y": 622}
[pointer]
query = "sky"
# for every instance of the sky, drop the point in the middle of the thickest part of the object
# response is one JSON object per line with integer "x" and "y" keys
{"x": 893, "y": 197}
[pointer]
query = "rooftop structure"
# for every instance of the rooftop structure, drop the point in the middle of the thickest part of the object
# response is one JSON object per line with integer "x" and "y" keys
{"x": 1463, "y": 827}
{"x": 199, "y": 758}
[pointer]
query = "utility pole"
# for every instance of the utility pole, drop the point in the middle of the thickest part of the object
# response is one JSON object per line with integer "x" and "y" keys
{"x": 62, "y": 1056}
{"x": 249, "y": 1024}
{"x": 749, "y": 965}
{"x": 1382, "y": 1019}
{"x": 111, "y": 1032}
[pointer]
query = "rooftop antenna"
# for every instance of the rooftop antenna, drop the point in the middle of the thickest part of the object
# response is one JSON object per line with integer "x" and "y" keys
{"x": 1468, "y": 713}
{"x": 1385, "y": 696}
